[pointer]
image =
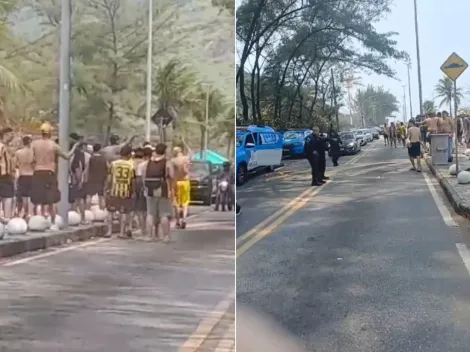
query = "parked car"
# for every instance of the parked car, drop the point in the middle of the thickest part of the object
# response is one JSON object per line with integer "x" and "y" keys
{"x": 368, "y": 135}
{"x": 375, "y": 132}
{"x": 351, "y": 145}
{"x": 360, "y": 136}
{"x": 257, "y": 147}
{"x": 201, "y": 176}
{"x": 294, "y": 142}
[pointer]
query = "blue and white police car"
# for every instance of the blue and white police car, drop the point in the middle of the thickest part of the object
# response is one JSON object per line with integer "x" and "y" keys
{"x": 257, "y": 147}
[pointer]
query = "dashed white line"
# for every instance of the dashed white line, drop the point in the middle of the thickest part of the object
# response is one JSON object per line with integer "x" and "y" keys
{"x": 464, "y": 254}
{"x": 445, "y": 213}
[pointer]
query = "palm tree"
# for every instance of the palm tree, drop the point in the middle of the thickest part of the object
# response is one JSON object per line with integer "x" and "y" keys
{"x": 429, "y": 107}
{"x": 445, "y": 90}
{"x": 175, "y": 85}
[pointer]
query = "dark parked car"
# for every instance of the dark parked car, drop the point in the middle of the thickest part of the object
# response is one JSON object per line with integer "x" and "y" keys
{"x": 351, "y": 145}
{"x": 201, "y": 175}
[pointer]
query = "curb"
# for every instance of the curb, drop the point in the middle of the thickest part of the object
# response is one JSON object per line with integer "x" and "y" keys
{"x": 460, "y": 205}
{"x": 19, "y": 244}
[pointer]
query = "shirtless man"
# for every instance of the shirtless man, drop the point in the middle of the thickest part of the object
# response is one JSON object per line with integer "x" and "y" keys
{"x": 182, "y": 186}
{"x": 445, "y": 126}
{"x": 113, "y": 150}
{"x": 44, "y": 181}
{"x": 414, "y": 146}
{"x": 393, "y": 135}
{"x": 431, "y": 126}
{"x": 25, "y": 164}
{"x": 7, "y": 170}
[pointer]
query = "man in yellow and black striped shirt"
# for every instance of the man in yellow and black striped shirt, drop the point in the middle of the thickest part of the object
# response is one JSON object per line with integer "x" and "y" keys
{"x": 120, "y": 188}
{"x": 7, "y": 171}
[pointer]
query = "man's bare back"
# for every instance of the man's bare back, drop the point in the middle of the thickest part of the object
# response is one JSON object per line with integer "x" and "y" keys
{"x": 25, "y": 161}
{"x": 180, "y": 165}
{"x": 45, "y": 154}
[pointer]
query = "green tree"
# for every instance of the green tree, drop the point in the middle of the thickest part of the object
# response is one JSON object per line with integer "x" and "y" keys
{"x": 287, "y": 51}
{"x": 375, "y": 104}
{"x": 445, "y": 91}
{"x": 429, "y": 107}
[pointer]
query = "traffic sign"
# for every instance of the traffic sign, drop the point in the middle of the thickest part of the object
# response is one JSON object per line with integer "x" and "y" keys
{"x": 454, "y": 66}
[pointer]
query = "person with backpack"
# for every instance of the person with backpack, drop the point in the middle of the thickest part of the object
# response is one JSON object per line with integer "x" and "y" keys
{"x": 156, "y": 179}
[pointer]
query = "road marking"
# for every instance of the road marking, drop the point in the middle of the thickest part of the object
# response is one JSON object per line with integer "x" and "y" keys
{"x": 280, "y": 218}
{"x": 204, "y": 329}
{"x": 53, "y": 252}
{"x": 464, "y": 254}
{"x": 445, "y": 213}
{"x": 228, "y": 341}
{"x": 359, "y": 156}
{"x": 273, "y": 216}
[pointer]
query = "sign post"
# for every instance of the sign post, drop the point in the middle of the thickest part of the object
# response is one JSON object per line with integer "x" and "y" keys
{"x": 453, "y": 67}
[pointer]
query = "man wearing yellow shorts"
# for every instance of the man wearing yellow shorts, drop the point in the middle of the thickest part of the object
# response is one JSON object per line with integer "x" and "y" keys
{"x": 182, "y": 186}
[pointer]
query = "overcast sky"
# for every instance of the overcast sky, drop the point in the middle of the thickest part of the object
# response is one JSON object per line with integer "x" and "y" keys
{"x": 443, "y": 29}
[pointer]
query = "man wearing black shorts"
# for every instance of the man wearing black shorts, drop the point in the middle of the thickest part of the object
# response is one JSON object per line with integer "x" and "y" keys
{"x": 414, "y": 146}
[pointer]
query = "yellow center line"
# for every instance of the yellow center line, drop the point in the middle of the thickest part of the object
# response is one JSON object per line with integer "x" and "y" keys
{"x": 263, "y": 231}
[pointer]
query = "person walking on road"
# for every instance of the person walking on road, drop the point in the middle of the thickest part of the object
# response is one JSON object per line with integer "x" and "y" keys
{"x": 393, "y": 135}
{"x": 312, "y": 155}
{"x": 386, "y": 139}
{"x": 335, "y": 147}
{"x": 414, "y": 146}
{"x": 403, "y": 133}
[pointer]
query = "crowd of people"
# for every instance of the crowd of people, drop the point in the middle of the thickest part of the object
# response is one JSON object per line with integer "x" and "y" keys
{"x": 140, "y": 187}
{"x": 417, "y": 135}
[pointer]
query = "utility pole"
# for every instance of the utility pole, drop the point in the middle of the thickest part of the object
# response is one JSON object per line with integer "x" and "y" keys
{"x": 334, "y": 100}
{"x": 409, "y": 88}
{"x": 64, "y": 105}
{"x": 206, "y": 123}
{"x": 148, "y": 112}
{"x": 349, "y": 86}
{"x": 420, "y": 87}
{"x": 404, "y": 103}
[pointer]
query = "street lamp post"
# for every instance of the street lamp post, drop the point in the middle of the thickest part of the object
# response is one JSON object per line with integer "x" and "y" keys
{"x": 420, "y": 88}
{"x": 64, "y": 105}
{"x": 148, "y": 112}
{"x": 409, "y": 88}
{"x": 404, "y": 103}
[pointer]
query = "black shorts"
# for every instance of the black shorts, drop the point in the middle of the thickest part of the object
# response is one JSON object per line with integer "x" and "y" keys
{"x": 414, "y": 150}
{"x": 76, "y": 193}
{"x": 44, "y": 187}
{"x": 25, "y": 186}
{"x": 93, "y": 188}
{"x": 7, "y": 187}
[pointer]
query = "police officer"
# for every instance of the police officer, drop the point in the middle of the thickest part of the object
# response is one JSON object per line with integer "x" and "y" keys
{"x": 322, "y": 148}
{"x": 312, "y": 144}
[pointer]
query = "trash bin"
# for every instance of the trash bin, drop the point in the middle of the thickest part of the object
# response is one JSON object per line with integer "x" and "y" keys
{"x": 439, "y": 146}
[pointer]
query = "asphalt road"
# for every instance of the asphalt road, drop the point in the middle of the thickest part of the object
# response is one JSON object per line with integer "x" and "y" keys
{"x": 372, "y": 261}
{"x": 123, "y": 295}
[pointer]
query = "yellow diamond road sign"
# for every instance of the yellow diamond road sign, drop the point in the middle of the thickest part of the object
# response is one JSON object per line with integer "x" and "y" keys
{"x": 454, "y": 66}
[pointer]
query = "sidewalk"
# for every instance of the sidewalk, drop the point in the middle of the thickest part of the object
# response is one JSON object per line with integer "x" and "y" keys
{"x": 458, "y": 195}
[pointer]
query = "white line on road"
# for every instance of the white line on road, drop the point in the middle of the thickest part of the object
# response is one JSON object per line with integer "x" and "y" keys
{"x": 445, "y": 213}
{"x": 464, "y": 254}
{"x": 53, "y": 252}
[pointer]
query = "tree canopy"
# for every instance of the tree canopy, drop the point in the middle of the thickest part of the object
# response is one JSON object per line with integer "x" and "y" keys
{"x": 445, "y": 92}
{"x": 375, "y": 104}
{"x": 193, "y": 49}
{"x": 293, "y": 56}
